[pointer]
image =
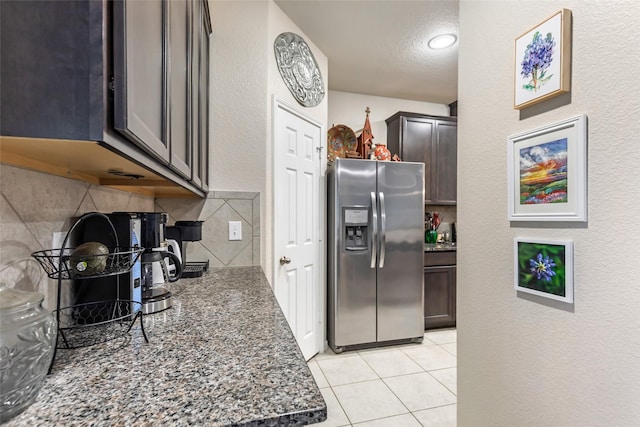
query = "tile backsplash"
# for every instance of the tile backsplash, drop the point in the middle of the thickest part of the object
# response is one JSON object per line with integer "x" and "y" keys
{"x": 35, "y": 205}
{"x": 216, "y": 211}
{"x": 447, "y": 214}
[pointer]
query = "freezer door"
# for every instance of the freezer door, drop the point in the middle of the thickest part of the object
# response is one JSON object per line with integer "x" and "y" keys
{"x": 400, "y": 264}
{"x": 352, "y": 274}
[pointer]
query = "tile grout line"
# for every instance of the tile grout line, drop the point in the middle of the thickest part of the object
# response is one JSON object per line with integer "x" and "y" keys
{"x": 386, "y": 385}
{"x": 336, "y": 396}
{"x": 442, "y": 369}
{"x": 379, "y": 377}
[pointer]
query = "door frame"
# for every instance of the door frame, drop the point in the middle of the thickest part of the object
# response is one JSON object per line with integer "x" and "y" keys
{"x": 321, "y": 252}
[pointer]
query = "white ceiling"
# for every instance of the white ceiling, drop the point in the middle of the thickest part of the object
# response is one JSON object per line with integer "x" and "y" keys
{"x": 379, "y": 47}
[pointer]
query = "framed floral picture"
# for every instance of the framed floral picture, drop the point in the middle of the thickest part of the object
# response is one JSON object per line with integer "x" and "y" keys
{"x": 544, "y": 268}
{"x": 543, "y": 61}
{"x": 547, "y": 172}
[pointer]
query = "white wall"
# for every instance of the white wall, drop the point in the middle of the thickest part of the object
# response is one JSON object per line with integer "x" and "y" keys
{"x": 525, "y": 361}
{"x": 348, "y": 109}
{"x": 245, "y": 78}
{"x": 280, "y": 23}
{"x": 239, "y": 62}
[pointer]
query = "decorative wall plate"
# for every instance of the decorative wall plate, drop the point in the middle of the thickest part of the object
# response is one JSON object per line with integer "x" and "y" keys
{"x": 299, "y": 69}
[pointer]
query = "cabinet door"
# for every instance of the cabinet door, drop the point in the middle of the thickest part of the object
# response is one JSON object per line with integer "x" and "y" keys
{"x": 439, "y": 297}
{"x": 140, "y": 93}
{"x": 178, "y": 67}
{"x": 204, "y": 103}
{"x": 196, "y": 35}
{"x": 199, "y": 91}
{"x": 445, "y": 162}
{"x": 417, "y": 146}
{"x": 51, "y": 85}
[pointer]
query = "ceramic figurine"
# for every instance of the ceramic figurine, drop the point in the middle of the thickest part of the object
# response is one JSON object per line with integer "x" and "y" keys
{"x": 382, "y": 153}
{"x": 365, "y": 140}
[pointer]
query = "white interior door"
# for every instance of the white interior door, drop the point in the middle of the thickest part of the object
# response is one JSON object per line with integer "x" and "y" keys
{"x": 297, "y": 231}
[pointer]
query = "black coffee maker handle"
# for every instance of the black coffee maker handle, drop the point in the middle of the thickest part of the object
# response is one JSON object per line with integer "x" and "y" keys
{"x": 178, "y": 264}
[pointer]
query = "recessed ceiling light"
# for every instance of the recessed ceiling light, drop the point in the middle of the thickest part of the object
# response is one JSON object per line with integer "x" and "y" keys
{"x": 442, "y": 41}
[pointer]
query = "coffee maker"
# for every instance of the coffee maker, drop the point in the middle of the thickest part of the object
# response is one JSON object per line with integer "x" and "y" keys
{"x": 125, "y": 286}
{"x": 155, "y": 260}
{"x": 188, "y": 231}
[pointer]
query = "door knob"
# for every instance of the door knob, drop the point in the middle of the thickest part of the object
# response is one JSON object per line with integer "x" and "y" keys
{"x": 284, "y": 260}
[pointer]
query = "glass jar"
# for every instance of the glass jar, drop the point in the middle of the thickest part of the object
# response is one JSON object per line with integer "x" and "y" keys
{"x": 27, "y": 339}
{"x": 431, "y": 236}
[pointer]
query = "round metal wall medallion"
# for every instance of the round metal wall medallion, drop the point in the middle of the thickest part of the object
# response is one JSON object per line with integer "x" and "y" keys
{"x": 299, "y": 69}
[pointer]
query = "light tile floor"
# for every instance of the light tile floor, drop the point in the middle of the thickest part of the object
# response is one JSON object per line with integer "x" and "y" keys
{"x": 410, "y": 385}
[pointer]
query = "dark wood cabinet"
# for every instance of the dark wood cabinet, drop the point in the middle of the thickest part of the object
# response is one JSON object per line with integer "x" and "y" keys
{"x": 140, "y": 69}
{"x": 439, "y": 290}
{"x": 431, "y": 140}
{"x": 161, "y": 58}
{"x": 52, "y": 70}
{"x": 199, "y": 100}
{"x": 179, "y": 68}
{"x": 117, "y": 73}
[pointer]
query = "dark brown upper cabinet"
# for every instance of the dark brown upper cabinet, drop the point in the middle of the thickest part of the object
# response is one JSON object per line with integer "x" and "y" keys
{"x": 431, "y": 140}
{"x": 116, "y": 73}
{"x": 161, "y": 51}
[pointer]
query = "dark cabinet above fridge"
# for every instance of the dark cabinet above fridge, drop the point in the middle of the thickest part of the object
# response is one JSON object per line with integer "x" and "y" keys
{"x": 128, "y": 79}
{"x": 431, "y": 140}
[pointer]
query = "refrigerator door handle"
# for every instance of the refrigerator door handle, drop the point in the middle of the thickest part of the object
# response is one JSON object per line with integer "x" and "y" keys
{"x": 374, "y": 233}
{"x": 383, "y": 229}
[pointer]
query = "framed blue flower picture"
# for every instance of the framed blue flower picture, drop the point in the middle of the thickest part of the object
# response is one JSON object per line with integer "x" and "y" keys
{"x": 543, "y": 61}
{"x": 544, "y": 268}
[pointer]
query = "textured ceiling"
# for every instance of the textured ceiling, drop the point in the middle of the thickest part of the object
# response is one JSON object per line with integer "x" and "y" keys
{"x": 380, "y": 47}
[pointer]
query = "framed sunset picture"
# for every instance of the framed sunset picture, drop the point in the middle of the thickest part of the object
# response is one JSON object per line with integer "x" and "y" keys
{"x": 544, "y": 268}
{"x": 547, "y": 172}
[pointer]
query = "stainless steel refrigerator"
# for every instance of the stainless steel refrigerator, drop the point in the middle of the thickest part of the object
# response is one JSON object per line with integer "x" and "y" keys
{"x": 375, "y": 253}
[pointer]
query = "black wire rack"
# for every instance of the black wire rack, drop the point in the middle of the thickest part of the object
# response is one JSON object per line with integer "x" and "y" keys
{"x": 83, "y": 325}
{"x": 57, "y": 263}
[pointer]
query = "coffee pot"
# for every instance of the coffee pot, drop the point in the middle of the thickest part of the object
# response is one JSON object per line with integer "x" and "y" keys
{"x": 159, "y": 264}
{"x": 172, "y": 265}
{"x": 155, "y": 279}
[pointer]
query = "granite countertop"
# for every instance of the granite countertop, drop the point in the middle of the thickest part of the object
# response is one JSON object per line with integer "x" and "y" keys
{"x": 223, "y": 355}
{"x": 440, "y": 247}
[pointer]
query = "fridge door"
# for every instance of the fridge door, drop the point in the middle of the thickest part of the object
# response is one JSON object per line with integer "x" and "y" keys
{"x": 351, "y": 298}
{"x": 400, "y": 264}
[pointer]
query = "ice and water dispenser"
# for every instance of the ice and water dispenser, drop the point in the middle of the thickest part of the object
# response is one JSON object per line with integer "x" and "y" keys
{"x": 356, "y": 228}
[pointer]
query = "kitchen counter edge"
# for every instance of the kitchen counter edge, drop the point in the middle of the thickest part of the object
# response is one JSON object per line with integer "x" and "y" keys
{"x": 223, "y": 355}
{"x": 440, "y": 247}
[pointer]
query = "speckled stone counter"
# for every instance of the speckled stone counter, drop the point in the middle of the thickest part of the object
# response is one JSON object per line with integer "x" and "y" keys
{"x": 439, "y": 247}
{"x": 223, "y": 355}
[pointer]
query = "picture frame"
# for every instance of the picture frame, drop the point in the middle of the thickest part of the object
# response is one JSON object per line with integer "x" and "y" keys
{"x": 547, "y": 172}
{"x": 542, "y": 61}
{"x": 545, "y": 268}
